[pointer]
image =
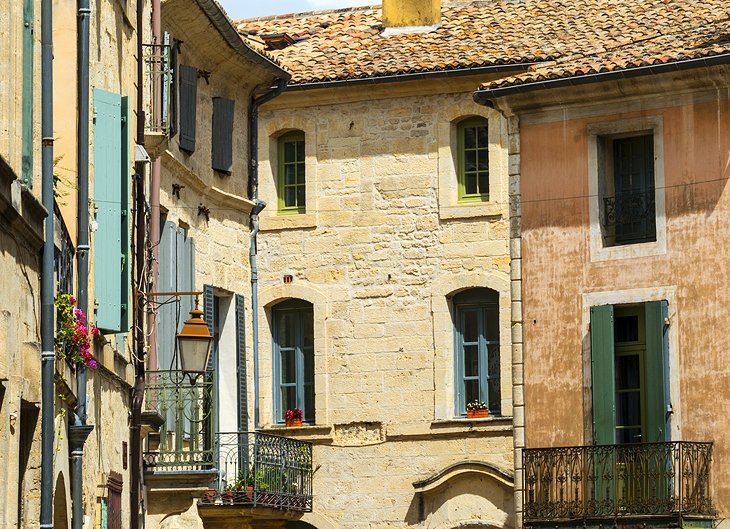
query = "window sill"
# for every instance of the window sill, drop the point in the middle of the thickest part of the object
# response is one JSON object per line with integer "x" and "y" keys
{"x": 307, "y": 432}
{"x": 288, "y": 221}
{"x": 473, "y": 209}
{"x": 457, "y": 421}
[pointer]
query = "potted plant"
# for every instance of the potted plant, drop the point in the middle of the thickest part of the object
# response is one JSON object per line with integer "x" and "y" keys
{"x": 293, "y": 417}
{"x": 477, "y": 410}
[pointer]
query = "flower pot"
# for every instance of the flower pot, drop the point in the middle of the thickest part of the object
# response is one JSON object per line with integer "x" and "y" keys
{"x": 293, "y": 422}
{"x": 477, "y": 414}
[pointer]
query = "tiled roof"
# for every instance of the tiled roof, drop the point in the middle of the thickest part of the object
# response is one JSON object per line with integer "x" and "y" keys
{"x": 350, "y": 44}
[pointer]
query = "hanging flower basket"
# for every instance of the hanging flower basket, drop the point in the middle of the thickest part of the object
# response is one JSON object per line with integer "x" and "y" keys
{"x": 293, "y": 418}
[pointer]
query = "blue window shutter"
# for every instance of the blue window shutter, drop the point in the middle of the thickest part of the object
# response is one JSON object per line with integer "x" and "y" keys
{"x": 209, "y": 315}
{"x": 602, "y": 362}
{"x": 241, "y": 363}
{"x": 167, "y": 282}
{"x": 188, "y": 106}
{"x": 111, "y": 203}
{"x": 222, "y": 144}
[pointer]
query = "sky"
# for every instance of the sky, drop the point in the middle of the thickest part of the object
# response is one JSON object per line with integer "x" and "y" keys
{"x": 260, "y": 8}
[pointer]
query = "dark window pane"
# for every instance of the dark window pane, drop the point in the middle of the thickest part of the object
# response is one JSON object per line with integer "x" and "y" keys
{"x": 290, "y": 174}
{"x": 309, "y": 402}
{"x": 470, "y": 137}
{"x": 482, "y": 138}
{"x": 627, "y": 372}
{"x": 301, "y": 191}
{"x": 470, "y": 183}
{"x": 628, "y": 408}
{"x": 628, "y": 435}
{"x": 308, "y": 329}
{"x": 290, "y": 196}
{"x": 284, "y": 337}
{"x": 300, "y": 173}
{"x": 470, "y": 161}
{"x": 471, "y": 360}
{"x": 483, "y": 183}
{"x": 483, "y": 160}
{"x": 495, "y": 397}
{"x": 288, "y": 399}
{"x": 470, "y": 326}
{"x": 300, "y": 151}
{"x": 289, "y": 151}
{"x": 288, "y": 366}
{"x": 626, "y": 329}
{"x": 471, "y": 391}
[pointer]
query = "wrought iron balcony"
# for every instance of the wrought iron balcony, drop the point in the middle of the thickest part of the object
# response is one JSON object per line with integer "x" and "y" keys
{"x": 158, "y": 100}
{"x": 661, "y": 480}
{"x": 629, "y": 217}
{"x": 64, "y": 254}
{"x": 261, "y": 470}
{"x": 185, "y": 440}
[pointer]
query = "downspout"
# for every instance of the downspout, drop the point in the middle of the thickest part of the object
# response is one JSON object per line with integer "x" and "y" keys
{"x": 155, "y": 172}
{"x": 135, "y": 444}
{"x": 78, "y": 430}
{"x": 47, "y": 268}
{"x": 253, "y": 190}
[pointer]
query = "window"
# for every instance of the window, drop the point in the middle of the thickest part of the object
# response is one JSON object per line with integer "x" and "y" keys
{"x": 628, "y": 353}
{"x": 111, "y": 211}
{"x": 627, "y": 189}
{"x": 188, "y": 77}
{"x": 473, "y": 160}
{"x": 294, "y": 358}
{"x": 291, "y": 177}
{"x": 222, "y": 144}
{"x": 477, "y": 349}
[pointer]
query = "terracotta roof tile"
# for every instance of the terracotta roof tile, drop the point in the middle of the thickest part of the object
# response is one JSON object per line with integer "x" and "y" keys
{"x": 567, "y": 35}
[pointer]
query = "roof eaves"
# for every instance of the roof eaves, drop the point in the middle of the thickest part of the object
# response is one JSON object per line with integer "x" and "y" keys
{"x": 224, "y": 26}
{"x": 484, "y": 96}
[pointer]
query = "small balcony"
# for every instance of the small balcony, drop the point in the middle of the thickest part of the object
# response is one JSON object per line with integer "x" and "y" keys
{"x": 159, "y": 95}
{"x": 629, "y": 218}
{"x": 262, "y": 470}
{"x": 581, "y": 484}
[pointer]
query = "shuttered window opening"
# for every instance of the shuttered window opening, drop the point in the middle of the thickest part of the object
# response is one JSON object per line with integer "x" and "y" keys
{"x": 114, "y": 501}
{"x": 188, "y": 76}
{"x": 174, "y": 56}
{"x": 112, "y": 171}
{"x": 222, "y": 148}
{"x": 241, "y": 361}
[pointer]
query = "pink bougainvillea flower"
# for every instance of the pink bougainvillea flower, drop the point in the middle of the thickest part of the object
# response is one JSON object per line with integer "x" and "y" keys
{"x": 92, "y": 364}
{"x": 95, "y": 331}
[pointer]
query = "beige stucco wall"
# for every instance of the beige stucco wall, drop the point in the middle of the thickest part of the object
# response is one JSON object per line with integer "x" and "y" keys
{"x": 382, "y": 247}
{"x": 561, "y": 278}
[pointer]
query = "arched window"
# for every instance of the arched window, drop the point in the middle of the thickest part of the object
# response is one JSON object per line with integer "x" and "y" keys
{"x": 291, "y": 173}
{"x": 476, "y": 333}
{"x": 473, "y": 160}
{"x": 293, "y": 332}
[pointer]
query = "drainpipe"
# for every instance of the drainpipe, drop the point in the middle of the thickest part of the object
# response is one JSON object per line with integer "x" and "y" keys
{"x": 78, "y": 430}
{"x": 135, "y": 445}
{"x": 253, "y": 190}
{"x": 47, "y": 268}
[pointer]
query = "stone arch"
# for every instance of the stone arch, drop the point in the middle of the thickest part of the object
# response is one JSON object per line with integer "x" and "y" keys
{"x": 466, "y": 495}
{"x": 312, "y": 520}
{"x": 269, "y": 297}
{"x": 442, "y": 293}
{"x": 60, "y": 506}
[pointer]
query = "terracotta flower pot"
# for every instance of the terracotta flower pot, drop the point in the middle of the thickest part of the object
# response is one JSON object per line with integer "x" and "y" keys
{"x": 293, "y": 422}
{"x": 477, "y": 414}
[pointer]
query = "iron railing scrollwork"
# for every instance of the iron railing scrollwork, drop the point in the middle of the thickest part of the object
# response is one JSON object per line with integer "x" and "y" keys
{"x": 185, "y": 440}
{"x": 158, "y": 73}
{"x": 64, "y": 255}
{"x": 262, "y": 470}
{"x": 613, "y": 481}
{"x": 630, "y": 217}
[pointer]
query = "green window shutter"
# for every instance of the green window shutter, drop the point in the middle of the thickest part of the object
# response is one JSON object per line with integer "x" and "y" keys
{"x": 657, "y": 399}
{"x": 222, "y": 148}
{"x": 241, "y": 363}
{"x": 111, "y": 203}
{"x": 188, "y": 106}
{"x": 602, "y": 363}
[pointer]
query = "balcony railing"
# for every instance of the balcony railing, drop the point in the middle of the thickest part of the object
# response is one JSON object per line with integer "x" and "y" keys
{"x": 64, "y": 254}
{"x": 185, "y": 440}
{"x": 630, "y": 217}
{"x": 261, "y": 470}
{"x": 617, "y": 481}
{"x": 158, "y": 72}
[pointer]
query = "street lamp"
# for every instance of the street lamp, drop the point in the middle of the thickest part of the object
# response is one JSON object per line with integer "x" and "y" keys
{"x": 193, "y": 342}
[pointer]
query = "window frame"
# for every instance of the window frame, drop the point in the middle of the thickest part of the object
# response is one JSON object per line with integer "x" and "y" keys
{"x": 461, "y": 126}
{"x": 300, "y": 309}
{"x": 296, "y": 137}
{"x": 477, "y": 299}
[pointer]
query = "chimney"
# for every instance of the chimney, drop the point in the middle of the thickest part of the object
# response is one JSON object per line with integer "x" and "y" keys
{"x": 411, "y": 13}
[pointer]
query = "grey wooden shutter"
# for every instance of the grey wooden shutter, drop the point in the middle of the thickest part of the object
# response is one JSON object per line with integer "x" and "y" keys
{"x": 167, "y": 282}
{"x": 241, "y": 363}
{"x": 188, "y": 106}
{"x": 174, "y": 57}
{"x": 222, "y": 148}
